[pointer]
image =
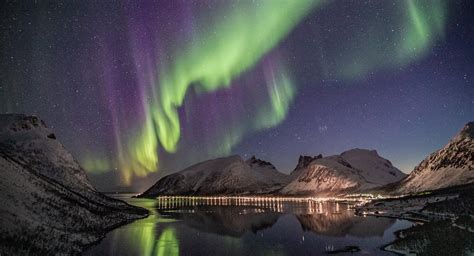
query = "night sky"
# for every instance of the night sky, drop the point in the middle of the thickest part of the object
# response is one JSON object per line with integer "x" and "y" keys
{"x": 139, "y": 89}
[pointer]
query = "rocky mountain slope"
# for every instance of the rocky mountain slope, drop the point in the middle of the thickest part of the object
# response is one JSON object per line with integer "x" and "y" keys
{"x": 303, "y": 162}
{"x": 48, "y": 206}
{"x": 227, "y": 175}
{"x": 450, "y": 166}
{"x": 352, "y": 171}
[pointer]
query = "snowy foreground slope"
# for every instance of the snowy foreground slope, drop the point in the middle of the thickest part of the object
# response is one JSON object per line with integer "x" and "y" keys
{"x": 450, "y": 166}
{"x": 48, "y": 206}
{"x": 227, "y": 175}
{"x": 352, "y": 171}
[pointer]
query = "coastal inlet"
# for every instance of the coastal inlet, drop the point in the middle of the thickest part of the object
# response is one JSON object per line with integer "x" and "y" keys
{"x": 245, "y": 225}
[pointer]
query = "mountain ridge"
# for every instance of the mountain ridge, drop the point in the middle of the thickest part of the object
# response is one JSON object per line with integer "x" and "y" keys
{"x": 233, "y": 175}
{"x": 451, "y": 165}
{"x": 225, "y": 175}
{"x": 48, "y": 204}
{"x": 353, "y": 170}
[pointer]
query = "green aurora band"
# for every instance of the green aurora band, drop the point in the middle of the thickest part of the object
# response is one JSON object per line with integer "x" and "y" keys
{"x": 281, "y": 91}
{"x": 417, "y": 26}
{"x": 232, "y": 45}
{"x": 213, "y": 60}
{"x": 234, "y": 41}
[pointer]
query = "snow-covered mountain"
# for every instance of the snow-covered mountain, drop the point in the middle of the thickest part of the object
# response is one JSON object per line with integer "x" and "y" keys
{"x": 227, "y": 175}
{"x": 48, "y": 206}
{"x": 355, "y": 170}
{"x": 450, "y": 166}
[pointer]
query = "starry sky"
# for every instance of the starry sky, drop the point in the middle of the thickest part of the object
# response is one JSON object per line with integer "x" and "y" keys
{"x": 139, "y": 89}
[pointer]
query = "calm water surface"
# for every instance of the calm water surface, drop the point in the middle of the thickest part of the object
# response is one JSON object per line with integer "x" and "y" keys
{"x": 204, "y": 227}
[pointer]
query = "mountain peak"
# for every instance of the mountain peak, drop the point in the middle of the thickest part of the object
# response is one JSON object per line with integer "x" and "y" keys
{"x": 226, "y": 175}
{"x": 254, "y": 161}
{"x": 304, "y": 161}
{"x": 354, "y": 170}
{"x": 360, "y": 151}
{"x": 467, "y": 131}
{"x": 23, "y": 127}
{"x": 20, "y": 122}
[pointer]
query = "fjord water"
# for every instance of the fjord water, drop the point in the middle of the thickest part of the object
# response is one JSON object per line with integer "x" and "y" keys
{"x": 230, "y": 227}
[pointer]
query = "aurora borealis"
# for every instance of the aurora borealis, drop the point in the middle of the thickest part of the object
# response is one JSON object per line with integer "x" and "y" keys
{"x": 230, "y": 45}
{"x": 138, "y": 89}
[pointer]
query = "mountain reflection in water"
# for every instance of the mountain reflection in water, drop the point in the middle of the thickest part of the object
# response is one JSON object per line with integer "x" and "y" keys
{"x": 230, "y": 227}
{"x": 324, "y": 218}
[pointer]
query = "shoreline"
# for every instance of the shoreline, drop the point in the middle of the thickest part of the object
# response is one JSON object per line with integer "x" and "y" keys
{"x": 397, "y": 234}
